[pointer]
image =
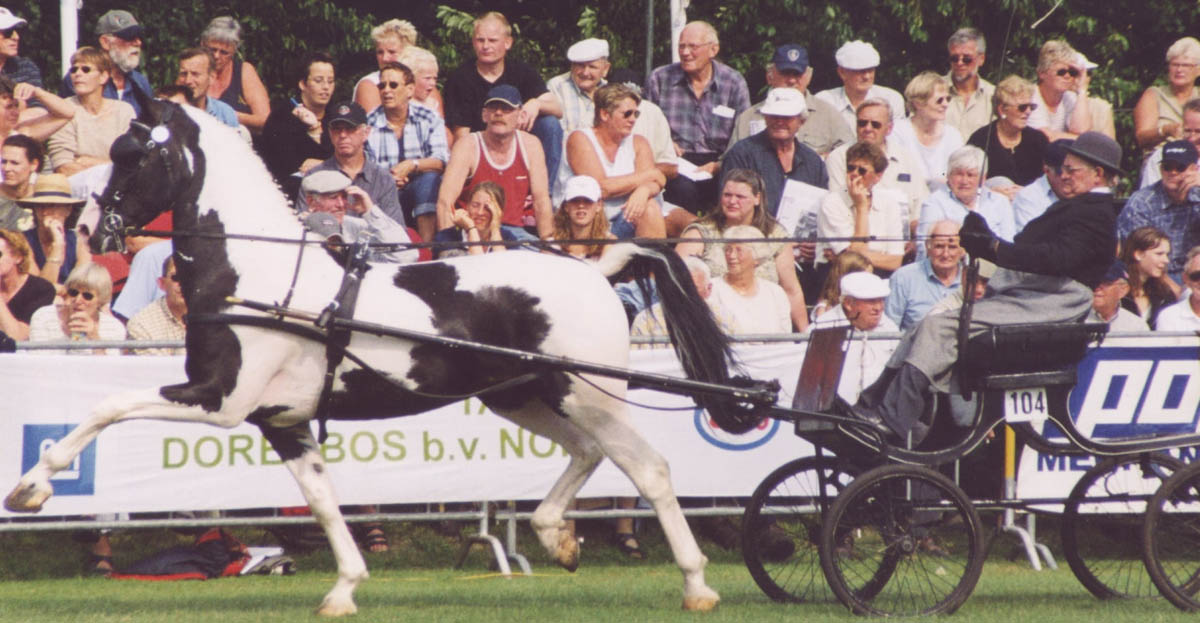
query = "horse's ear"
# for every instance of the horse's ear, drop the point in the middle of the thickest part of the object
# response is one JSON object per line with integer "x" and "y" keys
{"x": 150, "y": 113}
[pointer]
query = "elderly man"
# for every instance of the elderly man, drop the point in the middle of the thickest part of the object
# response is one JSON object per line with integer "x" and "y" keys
{"x": 504, "y": 154}
{"x": 17, "y": 68}
{"x": 917, "y": 287}
{"x": 337, "y": 207}
{"x": 197, "y": 69}
{"x": 467, "y": 88}
{"x": 417, "y": 155}
{"x": 1171, "y": 204}
{"x": 1031, "y": 201}
{"x": 120, "y": 35}
{"x": 1047, "y": 274}
{"x": 1062, "y": 83}
{"x": 164, "y": 319}
{"x": 574, "y": 89}
{"x": 857, "y": 62}
{"x": 823, "y": 130}
{"x": 862, "y": 308}
{"x": 701, "y": 98}
{"x": 348, "y": 133}
{"x": 1106, "y": 301}
{"x": 1184, "y": 315}
{"x": 970, "y": 95}
{"x": 776, "y": 153}
{"x": 1191, "y": 132}
{"x": 650, "y": 322}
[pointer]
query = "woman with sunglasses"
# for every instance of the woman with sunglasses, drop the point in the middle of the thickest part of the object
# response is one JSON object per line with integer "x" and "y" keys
{"x": 1014, "y": 150}
{"x": 1146, "y": 253}
{"x": 1158, "y": 115}
{"x": 925, "y": 132}
{"x": 21, "y": 293}
{"x": 84, "y": 141}
{"x": 1061, "y": 84}
{"x": 81, "y": 314}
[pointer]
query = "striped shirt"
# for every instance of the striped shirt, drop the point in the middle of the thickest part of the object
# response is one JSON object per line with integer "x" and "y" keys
{"x": 579, "y": 111}
{"x": 424, "y": 137}
{"x": 699, "y": 125}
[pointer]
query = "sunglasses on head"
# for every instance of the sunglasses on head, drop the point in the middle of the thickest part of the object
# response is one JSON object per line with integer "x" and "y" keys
{"x": 861, "y": 170}
{"x": 1074, "y": 73}
{"x": 1193, "y": 276}
{"x": 1174, "y": 167}
{"x": 87, "y": 296}
{"x": 87, "y": 69}
{"x": 862, "y": 123}
{"x": 965, "y": 59}
{"x": 391, "y": 84}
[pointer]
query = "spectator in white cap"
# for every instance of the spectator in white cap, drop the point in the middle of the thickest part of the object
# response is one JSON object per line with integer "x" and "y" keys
{"x": 1100, "y": 109}
{"x": 337, "y": 207}
{"x": 857, "y": 62}
{"x": 575, "y": 88}
{"x": 16, "y": 68}
{"x": 862, "y": 305}
{"x": 823, "y": 130}
{"x": 776, "y": 153}
{"x": 120, "y": 36}
{"x": 755, "y": 305}
{"x": 581, "y": 217}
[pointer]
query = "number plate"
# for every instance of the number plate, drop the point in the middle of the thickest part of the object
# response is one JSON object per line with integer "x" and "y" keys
{"x": 1025, "y": 405}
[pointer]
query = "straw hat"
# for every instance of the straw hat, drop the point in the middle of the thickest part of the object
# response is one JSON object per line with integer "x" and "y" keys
{"x": 51, "y": 189}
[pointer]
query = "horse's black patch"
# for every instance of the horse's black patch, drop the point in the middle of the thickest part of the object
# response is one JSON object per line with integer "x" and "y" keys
{"x": 500, "y": 316}
{"x": 260, "y": 415}
{"x": 371, "y": 395}
{"x": 290, "y": 442}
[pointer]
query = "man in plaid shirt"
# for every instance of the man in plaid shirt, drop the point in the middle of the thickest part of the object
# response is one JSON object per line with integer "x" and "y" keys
{"x": 409, "y": 140}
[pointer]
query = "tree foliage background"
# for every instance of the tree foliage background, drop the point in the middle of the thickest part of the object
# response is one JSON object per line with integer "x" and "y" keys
{"x": 1125, "y": 37}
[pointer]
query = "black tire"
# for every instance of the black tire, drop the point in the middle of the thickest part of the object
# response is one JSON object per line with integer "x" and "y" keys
{"x": 1171, "y": 538}
{"x": 1102, "y": 524}
{"x": 915, "y": 548}
{"x": 781, "y": 528}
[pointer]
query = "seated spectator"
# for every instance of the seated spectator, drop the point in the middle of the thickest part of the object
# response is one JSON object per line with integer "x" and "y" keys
{"x": 507, "y": 155}
{"x": 1100, "y": 109}
{"x": 348, "y": 132}
{"x": 119, "y": 36}
{"x": 952, "y": 303}
{"x": 478, "y": 221}
{"x": 581, "y": 217}
{"x": 1030, "y": 202}
{"x": 409, "y": 140}
{"x": 970, "y": 95}
{"x": 965, "y": 195}
{"x": 864, "y": 210}
{"x": 294, "y": 138}
{"x": 15, "y": 68}
{"x": 1061, "y": 85}
{"x": 85, "y": 140}
{"x": 141, "y": 286}
{"x": 1185, "y": 315}
{"x": 1158, "y": 115}
{"x": 917, "y": 287}
{"x": 861, "y": 307}
{"x": 621, "y": 161}
{"x": 742, "y": 203}
{"x": 81, "y": 315}
{"x": 164, "y": 318}
{"x": 53, "y": 113}
{"x": 1146, "y": 253}
{"x": 925, "y": 132}
{"x": 56, "y": 248}
{"x": 776, "y": 153}
{"x": 1106, "y": 302}
{"x": 650, "y": 322}
{"x": 755, "y": 305}
{"x": 20, "y": 158}
{"x": 1014, "y": 150}
{"x": 424, "y": 66}
{"x": 857, "y": 62}
{"x": 197, "y": 70}
{"x": 21, "y": 293}
{"x": 235, "y": 81}
{"x": 391, "y": 39}
{"x": 843, "y": 264}
{"x": 1172, "y": 204}
{"x": 652, "y": 125}
{"x": 1191, "y": 133}
{"x": 576, "y": 88}
{"x": 335, "y": 206}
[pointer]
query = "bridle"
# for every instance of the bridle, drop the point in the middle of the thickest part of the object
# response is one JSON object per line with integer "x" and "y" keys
{"x": 124, "y": 150}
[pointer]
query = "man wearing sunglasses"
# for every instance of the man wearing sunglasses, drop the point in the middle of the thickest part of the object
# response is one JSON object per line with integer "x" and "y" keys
{"x": 971, "y": 95}
{"x": 120, "y": 36}
{"x": 1185, "y": 315}
{"x": 1062, "y": 84}
{"x": 1190, "y": 128}
{"x": 1171, "y": 204}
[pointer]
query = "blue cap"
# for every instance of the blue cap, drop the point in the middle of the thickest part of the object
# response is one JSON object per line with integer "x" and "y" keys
{"x": 791, "y": 57}
{"x": 1115, "y": 272}
{"x": 503, "y": 93}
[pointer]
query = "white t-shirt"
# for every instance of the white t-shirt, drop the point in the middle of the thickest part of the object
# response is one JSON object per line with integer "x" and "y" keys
{"x": 887, "y": 220}
{"x": 768, "y": 311}
{"x": 1055, "y": 121}
{"x": 934, "y": 159}
{"x": 1178, "y": 317}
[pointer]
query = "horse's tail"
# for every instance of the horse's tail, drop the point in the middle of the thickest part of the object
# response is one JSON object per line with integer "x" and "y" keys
{"x": 702, "y": 347}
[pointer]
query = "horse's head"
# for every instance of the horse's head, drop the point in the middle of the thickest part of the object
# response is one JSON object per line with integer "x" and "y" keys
{"x": 153, "y": 167}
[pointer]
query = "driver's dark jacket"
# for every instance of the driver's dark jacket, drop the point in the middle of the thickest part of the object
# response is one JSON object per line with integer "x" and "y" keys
{"x": 1074, "y": 238}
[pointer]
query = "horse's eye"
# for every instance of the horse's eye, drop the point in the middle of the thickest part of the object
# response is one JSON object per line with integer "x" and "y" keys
{"x": 126, "y": 151}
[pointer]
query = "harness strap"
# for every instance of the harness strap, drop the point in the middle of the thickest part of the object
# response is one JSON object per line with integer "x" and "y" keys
{"x": 338, "y": 336}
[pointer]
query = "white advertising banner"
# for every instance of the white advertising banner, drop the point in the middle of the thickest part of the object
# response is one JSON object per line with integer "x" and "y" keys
{"x": 457, "y": 453}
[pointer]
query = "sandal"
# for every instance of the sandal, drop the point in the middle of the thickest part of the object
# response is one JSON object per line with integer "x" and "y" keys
{"x": 98, "y": 565}
{"x": 629, "y": 546}
{"x": 376, "y": 541}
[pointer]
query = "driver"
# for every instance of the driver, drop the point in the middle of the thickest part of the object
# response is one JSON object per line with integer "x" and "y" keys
{"x": 1046, "y": 274}
{"x": 337, "y": 207}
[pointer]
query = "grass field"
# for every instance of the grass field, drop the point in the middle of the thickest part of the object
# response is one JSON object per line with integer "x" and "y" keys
{"x": 41, "y": 582}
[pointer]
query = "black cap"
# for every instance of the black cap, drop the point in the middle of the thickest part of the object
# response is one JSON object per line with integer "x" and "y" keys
{"x": 347, "y": 112}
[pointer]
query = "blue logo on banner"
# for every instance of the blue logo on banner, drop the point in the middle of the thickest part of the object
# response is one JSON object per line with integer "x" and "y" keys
{"x": 79, "y": 478}
{"x": 754, "y": 438}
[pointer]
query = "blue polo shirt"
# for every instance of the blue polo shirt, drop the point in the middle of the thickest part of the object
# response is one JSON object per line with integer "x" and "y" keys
{"x": 133, "y": 79}
{"x": 914, "y": 290}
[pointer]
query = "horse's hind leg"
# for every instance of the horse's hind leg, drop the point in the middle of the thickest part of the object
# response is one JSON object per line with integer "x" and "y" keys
{"x": 302, "y": 456}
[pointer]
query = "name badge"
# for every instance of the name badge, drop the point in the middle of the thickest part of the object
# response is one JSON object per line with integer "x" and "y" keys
{"x": 757, "y": 126}
{"x": 723, "y": 111}
{"x": 903, "y": 177}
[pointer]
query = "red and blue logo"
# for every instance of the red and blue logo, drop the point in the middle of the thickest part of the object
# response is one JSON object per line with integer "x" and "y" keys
{"x": 711, "y": 432}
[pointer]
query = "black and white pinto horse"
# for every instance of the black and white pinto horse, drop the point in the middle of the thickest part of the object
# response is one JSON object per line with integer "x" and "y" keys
{"x": 185, "y": 161}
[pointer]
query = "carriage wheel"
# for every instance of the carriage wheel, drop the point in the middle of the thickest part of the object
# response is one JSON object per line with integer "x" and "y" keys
{"x": 782, "y": 525}
{"x": 1102, "y": 524}
{"x": 1171, "y": 538}
{"x": 902, "y": 540}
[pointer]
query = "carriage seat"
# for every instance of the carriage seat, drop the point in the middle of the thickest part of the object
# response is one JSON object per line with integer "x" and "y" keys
{"x": 1028, "y": 355}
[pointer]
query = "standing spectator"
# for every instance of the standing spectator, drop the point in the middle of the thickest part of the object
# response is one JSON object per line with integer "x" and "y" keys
{"x": 971, "y": 96}
{"x": 1106, "y": 302}
{"x": 507, "y": 155}
{"x": 864, "y": 210}
{"x": 1030, "y": 202}
{"x": 164, "y": 318}
{"x": 824, "y": 128}
{"x": 197, "y": 70}
{"x": 424, "y": 66}
{"x": 755, "y": 305}
{"x": 917, "y": 287}
{"x": 1172, "y": 204}
{"x": 85, "y": 140}
{"x": 409, "y": 140}
{"x": 701, "y": 98}
{"x": 841, "y": 265}
{"x": 925, "y": 132}
{"x": 1158, "y": 115}
{"x": 21, "y": 292}
{"x": 120, "y": 37}
{"x": 235, "y": 81}
{"x": 964, "y": 195}
{"x": 82, "y": 315}
{"x": 1146, "y": 253}
{"x": 857, "y": 62}
{"x": 20, "y": 157}
{"x": 776, "y": 153}
{"x": 294, "y": 138}
{"x": 391, "y": 39}
{"x": 57, "y": 250}
{"x": 16, "y": 68}
{"x": 1185, "y": 315}
{"x": 861, "y": 307}
{"x": 1062, "y": 84}
{"x": 477, "y": 222}
{"x": 581, "y": 217}
{"x": 1151, "y": 172}
{"x": 575, "y": 89}
{"x": 469, "y": 87}
{"x": 1014, "y": 150}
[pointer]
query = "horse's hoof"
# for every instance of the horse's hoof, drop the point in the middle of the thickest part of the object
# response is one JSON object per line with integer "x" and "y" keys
{"x": 28, "y": 497}
{"x": 700, "y": 604}
{"x": 331, "y": 609}
{"x": 567, "y": 553}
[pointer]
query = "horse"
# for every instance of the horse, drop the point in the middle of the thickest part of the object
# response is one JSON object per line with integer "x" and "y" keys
{"x": 180, "y": 159}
